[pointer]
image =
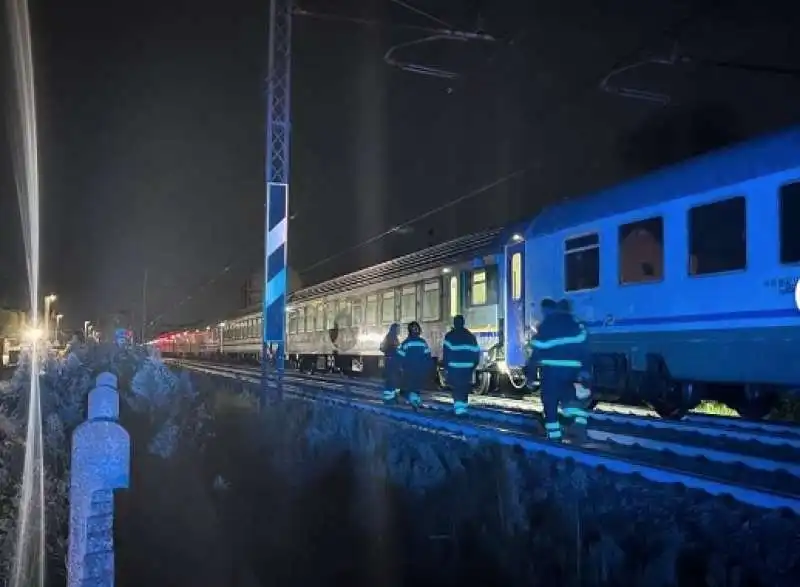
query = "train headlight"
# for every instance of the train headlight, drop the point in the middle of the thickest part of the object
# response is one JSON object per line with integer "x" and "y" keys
{"x": 797, "y": 294}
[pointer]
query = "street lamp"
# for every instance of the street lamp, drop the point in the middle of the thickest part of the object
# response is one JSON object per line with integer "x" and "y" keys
{"x": 47, "y": 301}
{"x": 59, "y": 318}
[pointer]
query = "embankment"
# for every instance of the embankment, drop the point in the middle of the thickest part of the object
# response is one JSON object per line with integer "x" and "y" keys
{"x": 309, "y": 494}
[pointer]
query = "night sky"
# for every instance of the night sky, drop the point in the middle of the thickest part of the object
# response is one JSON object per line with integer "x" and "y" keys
{"x": 152, "y": 118}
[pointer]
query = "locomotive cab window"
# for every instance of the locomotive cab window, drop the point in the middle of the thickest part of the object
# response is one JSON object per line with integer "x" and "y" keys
{"x": 582, "y": 262}
{"x": 789, "y": 221}
{"x": 718, "y": 237}
{"x": 641, "y": 251}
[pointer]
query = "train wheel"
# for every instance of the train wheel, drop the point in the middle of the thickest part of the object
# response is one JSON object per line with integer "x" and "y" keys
{"x": 668, "y": 410}
{"x": 517, "y": 379}
{"x": 756, "y": 403}
{"x": 483, "y": 383}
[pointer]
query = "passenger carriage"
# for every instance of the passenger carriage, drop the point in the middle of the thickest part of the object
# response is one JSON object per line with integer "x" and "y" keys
{"x": 684, "y": 278}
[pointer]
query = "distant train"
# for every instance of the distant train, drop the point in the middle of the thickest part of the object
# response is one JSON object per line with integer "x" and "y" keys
{"x": 685, "y": 279}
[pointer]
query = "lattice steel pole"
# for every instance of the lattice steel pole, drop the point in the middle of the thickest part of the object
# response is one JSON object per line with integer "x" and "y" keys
{"x": 277, "y": 176}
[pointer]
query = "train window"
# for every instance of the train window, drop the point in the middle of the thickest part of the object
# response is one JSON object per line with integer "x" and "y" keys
{"x": 387, "y": 307}
{"x": 454, "y": 296}
{"x": 717, "y": 237}
{"x": 789, "y": 221}
{"x": 319, "y": 320}
{"x": 310, "y": 315}
{"x": 431, "y": 301}
{"x": 301, "y": 320}
{"x": 478, "y": 290}
{"x": 357, "y": 313}
{"x": 343, "y": 316}
{"x": 408, "y": 304}
{"x": 330, "y": 315}
{"x": 371, "y": 317}
{"x": 582, "y": 262}
{"x": 291, "y": 327}
{"x": 516, "y": 276}
{"x": 641, "y": 251}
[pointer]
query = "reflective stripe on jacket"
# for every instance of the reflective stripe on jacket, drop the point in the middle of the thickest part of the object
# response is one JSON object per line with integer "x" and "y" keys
{"x": 461, "y": 350}
{"x": 560, "y": 341}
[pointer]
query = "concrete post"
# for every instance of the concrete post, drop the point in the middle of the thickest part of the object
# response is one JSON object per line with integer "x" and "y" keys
{"x": 101, "y": 462}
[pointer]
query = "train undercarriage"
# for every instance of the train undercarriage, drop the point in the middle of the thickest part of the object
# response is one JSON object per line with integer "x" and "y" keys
{"x": 614, "y": 381}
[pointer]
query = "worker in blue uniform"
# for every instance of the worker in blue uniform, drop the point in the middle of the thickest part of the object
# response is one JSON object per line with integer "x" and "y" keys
{"x": 560, "y": 350}
{"x": 461, "y": 356}
{"x": 391, "y": 363}
{"x": 415, "y": 358}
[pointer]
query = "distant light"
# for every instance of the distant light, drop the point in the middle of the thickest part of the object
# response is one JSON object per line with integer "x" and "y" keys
{"x": 208, "y": 328}
{"x": 222, "y": 324}
{"x": 32, "y": 334}
{"x": 446, "y": 270}
{"x": 289, "y": 309}
{"x": 516, "y": 237}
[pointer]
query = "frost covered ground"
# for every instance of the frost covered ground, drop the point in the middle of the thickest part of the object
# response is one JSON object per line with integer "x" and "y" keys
{"x": 161, "y": 403}
{"x": 308, "y": 494}
{"x": 319, "y": 494}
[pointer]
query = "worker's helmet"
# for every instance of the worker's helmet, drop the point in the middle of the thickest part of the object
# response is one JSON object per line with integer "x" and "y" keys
{"x": 548, "y": 306}
{"x": 564, "y": 305}
{"x": 414, "y": 329}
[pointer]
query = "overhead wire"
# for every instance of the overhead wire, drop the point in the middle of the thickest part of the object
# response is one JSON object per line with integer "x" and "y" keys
{"x": 368, "y": 22}
{"x": 563, "y": 104}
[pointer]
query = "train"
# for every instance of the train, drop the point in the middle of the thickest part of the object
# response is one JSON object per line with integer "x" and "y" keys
{"x": 686, "y": 280}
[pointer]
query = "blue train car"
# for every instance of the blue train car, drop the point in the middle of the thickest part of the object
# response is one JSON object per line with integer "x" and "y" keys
{"x": 685, "y": 279}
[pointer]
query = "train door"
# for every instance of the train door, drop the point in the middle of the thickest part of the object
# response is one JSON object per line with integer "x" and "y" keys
{"x": 515, "y": 335}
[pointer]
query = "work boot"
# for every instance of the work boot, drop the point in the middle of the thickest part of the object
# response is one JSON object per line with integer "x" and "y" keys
{"x": 553, "y": 431}
{"x": 415, "y": 400}
{"x": 578, "y": 431}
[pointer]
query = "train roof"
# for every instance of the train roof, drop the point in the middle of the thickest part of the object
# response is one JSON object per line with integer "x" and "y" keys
{"x": 764, "y": 155}
{"x": 454, "y": 251}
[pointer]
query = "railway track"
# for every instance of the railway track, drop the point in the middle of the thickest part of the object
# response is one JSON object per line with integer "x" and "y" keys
{"x": 781, "y": 436}
{"x": 756, "y": 467}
